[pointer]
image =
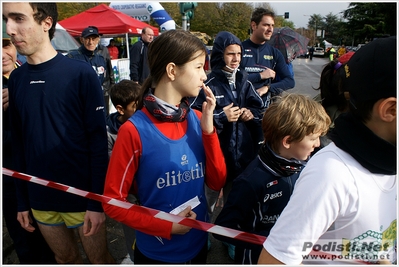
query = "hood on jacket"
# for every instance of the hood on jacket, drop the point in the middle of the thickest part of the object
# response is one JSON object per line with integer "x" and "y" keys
{"x": 223, "y": 39}
{"x": 112, "y": 122}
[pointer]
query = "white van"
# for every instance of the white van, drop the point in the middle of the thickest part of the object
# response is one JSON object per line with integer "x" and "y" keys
{"x": 318, "y": 51}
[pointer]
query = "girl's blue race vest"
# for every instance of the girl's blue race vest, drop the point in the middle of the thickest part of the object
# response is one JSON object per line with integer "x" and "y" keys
{"x": 170, "y": 173}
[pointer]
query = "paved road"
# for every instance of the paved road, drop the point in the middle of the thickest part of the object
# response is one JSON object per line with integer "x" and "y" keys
{"x": 307, "y": 75}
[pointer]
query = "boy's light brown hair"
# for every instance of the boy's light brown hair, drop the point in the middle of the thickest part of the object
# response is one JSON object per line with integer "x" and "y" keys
{"x": 295, "y": 115}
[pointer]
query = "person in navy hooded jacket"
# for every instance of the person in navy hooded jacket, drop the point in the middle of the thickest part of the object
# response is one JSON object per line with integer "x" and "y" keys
{"x": 238, "y": 107}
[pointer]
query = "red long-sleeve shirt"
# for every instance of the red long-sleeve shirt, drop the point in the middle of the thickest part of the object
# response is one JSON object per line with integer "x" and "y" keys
{"x": 124, "y": 163}
{"x": 113, "y": 52}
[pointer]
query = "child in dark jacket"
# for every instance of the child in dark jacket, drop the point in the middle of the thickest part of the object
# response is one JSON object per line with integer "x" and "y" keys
{"x": 238, "y": 106}
{"x": 291, "y": 128}
{"x": 238, "y": 111}
{"x": 124, "y": 97}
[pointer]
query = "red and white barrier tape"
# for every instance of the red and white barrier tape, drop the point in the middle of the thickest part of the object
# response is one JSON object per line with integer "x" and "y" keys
{"x": 200, "y": 225}
{"x": 204, "y": 226}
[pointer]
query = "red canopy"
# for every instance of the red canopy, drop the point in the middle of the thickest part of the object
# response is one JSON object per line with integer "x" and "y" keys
{"x": 107, "y": 20}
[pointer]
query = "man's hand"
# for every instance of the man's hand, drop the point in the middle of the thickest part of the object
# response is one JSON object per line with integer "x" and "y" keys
{"x": 179, "y": 229}
{"x": 92, "y": 222}
{"x": 5, "y": 99}
{"x": 267, "y": 73}
{"x": 25, "y": 220}
{"x": 232, "y": 113}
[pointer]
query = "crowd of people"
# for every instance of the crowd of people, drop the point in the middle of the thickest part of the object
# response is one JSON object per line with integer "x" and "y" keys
{"x": 302, "y": 172}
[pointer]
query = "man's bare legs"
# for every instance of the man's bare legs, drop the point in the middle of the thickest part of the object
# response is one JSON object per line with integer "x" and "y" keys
{"x": 95, "y": 246}
{"x": 62, "y": 242}
{"x": 65, "y": 246}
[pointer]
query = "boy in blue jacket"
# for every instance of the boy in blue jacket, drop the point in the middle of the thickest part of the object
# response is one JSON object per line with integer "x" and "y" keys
{"x": 238, "y": 106}
{"x": 291, "y": 128}
{"x": 238, "y": 110}
{"x": 124, "y": 96}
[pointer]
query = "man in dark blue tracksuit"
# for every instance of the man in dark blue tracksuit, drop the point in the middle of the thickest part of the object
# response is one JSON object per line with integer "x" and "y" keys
{"x": 262, "y": 61}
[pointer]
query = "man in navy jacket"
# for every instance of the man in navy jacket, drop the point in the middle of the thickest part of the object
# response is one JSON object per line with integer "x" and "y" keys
{"x": 262, "y": 61}
{"x": 139, "y": 69}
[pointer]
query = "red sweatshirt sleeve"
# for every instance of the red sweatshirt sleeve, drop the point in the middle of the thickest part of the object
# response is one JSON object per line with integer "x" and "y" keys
{"x": 124, "y": 163}
{"x": 215, "y": 171}
{"x": 122, "y": 167}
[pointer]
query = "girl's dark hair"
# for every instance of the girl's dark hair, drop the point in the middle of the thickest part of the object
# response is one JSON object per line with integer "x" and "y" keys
{"x": 44, "y": 10}
{"x": 331, "y": 87}
{"x": 177, "y": 46}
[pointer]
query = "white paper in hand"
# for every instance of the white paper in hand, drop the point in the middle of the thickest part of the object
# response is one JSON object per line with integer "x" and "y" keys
{"x": 194, "y": 202}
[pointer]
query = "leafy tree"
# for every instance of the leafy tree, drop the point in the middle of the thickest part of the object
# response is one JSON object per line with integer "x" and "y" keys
{"x": 69, "y": 9}
{"x": 342, "y": 36}
{"x": 213, "y": 17}
{"x": 308, "y": 33}
{"x": 287, "y": 23}
{"x": 370, "y": 20}
{"x": 364, "y": 20}
{"x": 265, "y": 5}
{"x": 207, "y": 19}
{"x": 331, "y": 28}
{"x": 315, "y": 23}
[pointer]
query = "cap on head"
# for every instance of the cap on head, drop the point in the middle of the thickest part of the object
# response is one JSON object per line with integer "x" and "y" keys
{"x": 5, "y": 35}
{"x": 91, "y": 30}
{"x": 370, "y": 74}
